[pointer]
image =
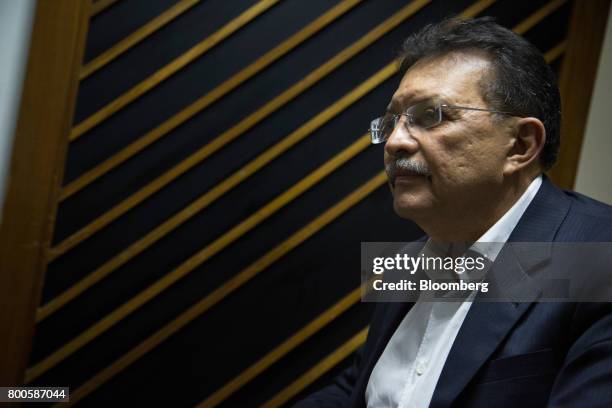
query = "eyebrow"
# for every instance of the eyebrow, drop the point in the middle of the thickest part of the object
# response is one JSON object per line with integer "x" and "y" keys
{"x": 396, "y": 106}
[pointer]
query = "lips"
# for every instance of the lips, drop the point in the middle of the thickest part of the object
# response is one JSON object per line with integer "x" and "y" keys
{"x": 407, "y": 173}
{"x": 407, "y": 176}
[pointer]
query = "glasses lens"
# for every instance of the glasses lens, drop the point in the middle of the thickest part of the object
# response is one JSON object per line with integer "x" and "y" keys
{"x": 425, "y": 114}
{"x": 382, "y": 127}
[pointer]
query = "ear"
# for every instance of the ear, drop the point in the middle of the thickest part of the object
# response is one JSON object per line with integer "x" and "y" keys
{"x": 530, "y": 136}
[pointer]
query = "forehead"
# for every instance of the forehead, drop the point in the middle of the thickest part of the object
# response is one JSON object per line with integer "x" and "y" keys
{"x": 454, "y": 78}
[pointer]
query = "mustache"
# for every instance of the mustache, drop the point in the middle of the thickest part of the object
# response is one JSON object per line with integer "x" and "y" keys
{"x": 405, "y": 164}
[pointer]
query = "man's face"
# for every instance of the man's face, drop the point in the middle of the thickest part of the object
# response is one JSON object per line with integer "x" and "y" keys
{"x": 463, "y": 156}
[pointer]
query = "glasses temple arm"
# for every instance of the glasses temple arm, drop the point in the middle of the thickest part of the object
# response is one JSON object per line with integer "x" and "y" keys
{"x": 477, "y": 109}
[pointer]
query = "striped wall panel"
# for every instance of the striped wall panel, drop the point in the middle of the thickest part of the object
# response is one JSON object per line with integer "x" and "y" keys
{"x": 218, "y": 183}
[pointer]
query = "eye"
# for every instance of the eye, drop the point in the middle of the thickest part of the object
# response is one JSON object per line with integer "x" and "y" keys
{"x": 428, "y": 116}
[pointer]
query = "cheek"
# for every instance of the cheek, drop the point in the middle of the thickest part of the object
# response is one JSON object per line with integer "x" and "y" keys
{"x": 465, "y": 160}
{"x": 491, "y": 157}
{"x": 451, "y": 159}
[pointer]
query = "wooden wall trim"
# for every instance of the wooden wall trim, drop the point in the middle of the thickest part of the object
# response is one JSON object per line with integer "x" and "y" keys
{"x": 35, "y": 172}
{"x": 577, "y": 78}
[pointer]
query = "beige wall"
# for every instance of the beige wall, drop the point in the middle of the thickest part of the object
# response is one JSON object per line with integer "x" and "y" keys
{"x": 594, "y": 174}
{"x": 15, "y": 29}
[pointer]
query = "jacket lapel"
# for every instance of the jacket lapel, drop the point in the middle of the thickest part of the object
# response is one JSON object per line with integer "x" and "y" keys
{"x": 484, "y": 328}
{"x": 488, "y": 323}
{"x": 391, "y": 316}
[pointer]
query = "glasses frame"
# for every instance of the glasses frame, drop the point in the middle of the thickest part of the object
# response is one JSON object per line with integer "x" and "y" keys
{"x": 439, "y": 105}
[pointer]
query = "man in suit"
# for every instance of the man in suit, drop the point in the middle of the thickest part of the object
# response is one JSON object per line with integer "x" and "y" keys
{"x": 468, "y": 134}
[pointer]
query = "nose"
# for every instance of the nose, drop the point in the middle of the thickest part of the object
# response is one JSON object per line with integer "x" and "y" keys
{"x": 401, "y": 141}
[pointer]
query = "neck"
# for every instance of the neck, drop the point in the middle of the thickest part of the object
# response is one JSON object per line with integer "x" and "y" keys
{"x": 466, "y": 226}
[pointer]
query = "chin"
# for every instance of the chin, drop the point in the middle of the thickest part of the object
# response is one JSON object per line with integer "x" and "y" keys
{"x": 411, "y": 208}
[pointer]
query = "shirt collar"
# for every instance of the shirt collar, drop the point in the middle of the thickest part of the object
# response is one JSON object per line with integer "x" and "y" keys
{"x": 492, "y": 241}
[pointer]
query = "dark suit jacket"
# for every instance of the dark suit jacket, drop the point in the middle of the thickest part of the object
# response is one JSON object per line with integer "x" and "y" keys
{"x": 513, "y": 354}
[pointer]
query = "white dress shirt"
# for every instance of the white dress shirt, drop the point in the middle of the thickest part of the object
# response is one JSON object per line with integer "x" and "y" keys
{"x": 406, "y": 373}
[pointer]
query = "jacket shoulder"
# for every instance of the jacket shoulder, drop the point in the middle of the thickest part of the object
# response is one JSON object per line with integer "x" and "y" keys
{"x": 587, "y": 218}
{"x": 589, "y": 206}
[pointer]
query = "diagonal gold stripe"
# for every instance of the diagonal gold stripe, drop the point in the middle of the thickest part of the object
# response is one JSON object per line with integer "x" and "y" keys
{"x": 172, "y": 67}
{"x": 318, "y": 370}
{"x": 476, "y": 8}
{"x": 100, "y": 5}
{"x": 233, "y": 234}
{"x": 538, "y": 16}
{"x": 250, "y": 121}
{"x": 284, "y": 348}
{"x": 206, "y": 199}
{"x": 136, "y": 37}
{"x": 555, "y": 52}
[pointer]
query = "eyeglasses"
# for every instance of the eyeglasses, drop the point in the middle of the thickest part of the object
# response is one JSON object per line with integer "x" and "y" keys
{"x": 423, "y": 115}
